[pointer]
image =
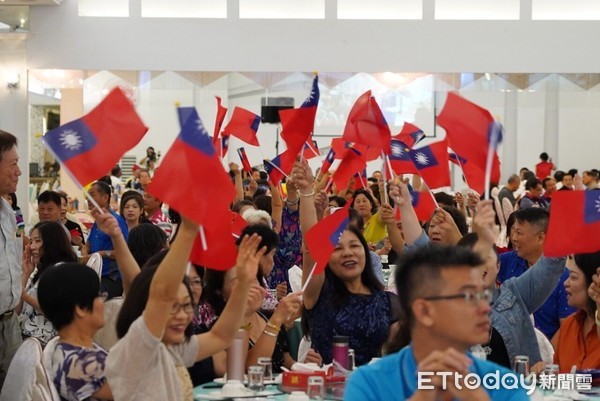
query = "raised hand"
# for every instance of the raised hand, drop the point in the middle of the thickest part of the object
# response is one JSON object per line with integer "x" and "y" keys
{"x": 484, "y": 222}
{"x": 399, "y": 193}
{"x": 472, "y": 199}
{"x": 321, "y": 203}
{"x": 303, "y": 177}
{"x": 287, "y": 306}
{"x": 234, "y": 168}
{"x": 387, "y": 214}
{"x": 281, "y": 290}
{"x": 248, "y": 258}
{"x": 256, "y": 295}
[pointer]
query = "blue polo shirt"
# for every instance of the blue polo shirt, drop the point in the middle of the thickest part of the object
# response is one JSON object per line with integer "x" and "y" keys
{"x": 547, "y": 317}
{"x": 99, "y": 241}
{"x": 394, "y": 377}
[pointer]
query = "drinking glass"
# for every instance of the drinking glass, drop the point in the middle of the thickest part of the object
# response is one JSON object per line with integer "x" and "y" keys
{"x": 255, "y": 378}
{"x": 316, "y": 388}
{"x": 267, "y": 365}
{"x": 522, "y": 365}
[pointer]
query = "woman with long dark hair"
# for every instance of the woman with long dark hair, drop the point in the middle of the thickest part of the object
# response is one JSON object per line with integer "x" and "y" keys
{"x": 347, "y": 299}
{"x": 48, "y": 245}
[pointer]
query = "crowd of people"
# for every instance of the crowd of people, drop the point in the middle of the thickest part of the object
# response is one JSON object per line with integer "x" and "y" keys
{"x": 455, "y": 290}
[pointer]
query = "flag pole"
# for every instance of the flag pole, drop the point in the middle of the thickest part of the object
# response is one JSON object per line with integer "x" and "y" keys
{"x": 277, "y": 168}
{"x": 202, "y": 238}
{"x": 385, "y": 179}
{"x": 495, "y": 138}
{"x": 310, "y": 275}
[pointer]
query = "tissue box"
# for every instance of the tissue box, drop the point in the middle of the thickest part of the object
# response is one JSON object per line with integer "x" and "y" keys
{"x": 292, "y": 381}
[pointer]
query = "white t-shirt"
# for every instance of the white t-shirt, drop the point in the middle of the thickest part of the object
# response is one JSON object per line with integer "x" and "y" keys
{"x": 140, "y": 367}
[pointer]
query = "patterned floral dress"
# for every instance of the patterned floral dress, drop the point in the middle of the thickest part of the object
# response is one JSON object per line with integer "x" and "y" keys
{"x": 288, "y": 253}
{"x": 33, "y": 322}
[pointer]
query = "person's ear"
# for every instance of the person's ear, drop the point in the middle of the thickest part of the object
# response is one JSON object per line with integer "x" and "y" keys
{"x": 423, "y": 311}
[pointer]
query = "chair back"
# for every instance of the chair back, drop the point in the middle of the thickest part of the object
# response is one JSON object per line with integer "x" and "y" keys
{"x": 95, "y": 263}
{"x": 106, "y": 337}
{"x": 26, "y": 379}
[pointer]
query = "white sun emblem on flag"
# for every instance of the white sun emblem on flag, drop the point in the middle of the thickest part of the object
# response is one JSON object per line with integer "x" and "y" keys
{"x": 397, "y": 151}
{"x": 70, "y": 140}
{"x": 422, "y": 159}
{"x": 199, "y": 125}
{"x": 597, "y": 205}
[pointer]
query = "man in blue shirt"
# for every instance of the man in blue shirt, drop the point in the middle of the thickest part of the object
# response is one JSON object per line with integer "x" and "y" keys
{"x": 527, "y": 237}
{"x": 447, "y": 309}
{"x": 98, "y": 242}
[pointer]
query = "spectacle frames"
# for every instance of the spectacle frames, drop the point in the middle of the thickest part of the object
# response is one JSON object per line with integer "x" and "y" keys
{"x": 187, "y": 308}
{"x": 470, "y": 297}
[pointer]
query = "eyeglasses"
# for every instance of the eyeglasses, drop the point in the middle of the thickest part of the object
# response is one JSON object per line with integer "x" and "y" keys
{"x": 470, "y": 297}
{"x": 196, "y": 283}
{"x": 187, "y": 308}
{"x": 103, "y": 295}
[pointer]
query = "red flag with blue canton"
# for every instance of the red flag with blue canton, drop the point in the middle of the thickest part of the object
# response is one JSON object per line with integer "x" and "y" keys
{"x": 91, "y": 145}
{"x": 323, "y": 237}
{"x": 183, "y": 113}
{"x": 431, "y": 162}
{"x": 221, "y": 112}
{"x": 366, "y": 124}
{"x": 328, "y": 161}
{"x": 400, "y": 158}
{"x": 353, "y": 162}
{"x": 410, "y": 135}
{"x": 191, "y": 178}
{"x": 468, "y": 128}
{"x": 311, "y": 149}
{"x": 280, "y": 166}
{"x": 360, "y": 180}
{"x": 298, "y": 124}
{"x": 340, "y": 145}
{"x": 244, "y": 159}
{"x": 574, "y": 225}
{"x": 222, "y": 251}
{"x": 423, "y": 203}
{"x": 244, "y": 125}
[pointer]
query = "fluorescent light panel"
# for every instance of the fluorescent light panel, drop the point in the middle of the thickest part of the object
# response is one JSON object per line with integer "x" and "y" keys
{"x": 477, "y": 9}
{"x": 282, "y": 9}
{"x": 380, "y": 9}
{"x": 103, "y": 8}
{"x": 565, "y": 10}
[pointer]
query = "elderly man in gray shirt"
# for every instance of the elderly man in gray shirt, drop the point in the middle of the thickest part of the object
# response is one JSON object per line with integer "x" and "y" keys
{"x": 10, "y": 261}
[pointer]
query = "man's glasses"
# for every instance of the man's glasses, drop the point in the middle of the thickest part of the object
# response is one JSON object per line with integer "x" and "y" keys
{"x": 187, "y": 308}
{"x": 470, "y": 297}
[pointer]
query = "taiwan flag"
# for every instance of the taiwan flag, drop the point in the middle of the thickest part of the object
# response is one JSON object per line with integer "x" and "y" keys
{"x": 221, "y": 112}
{"x": 311, "y": 150}
{"x": 298, "y": 124}
{"x": 244, "y": 159}
{"x": 327, "y": 162}
{"x": 352, "y": 163}
{"x": 410, "y": 135}
{"x": 280, "y": 166}
{"x": 322, "y": 238}
{"x": 423, "y": 203}
{"x": 468, "y": 130}
{"x": 182, "y": 180}
{"x": 244, "y": 125}
{"x": 90, "y": 146}
{"x": 431, "y": 161}
{"x": 183, "y": 113}
{"x": 340, "y": 145}
{"x": 366, "y": 124}
{"x": 221, "y": 252}
{"x": 400, "y": 158}
{"x": 574, "y": 225}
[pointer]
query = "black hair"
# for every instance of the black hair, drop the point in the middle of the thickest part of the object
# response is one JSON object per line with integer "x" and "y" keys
{"x": 212, "y": 293}
{"x": 105, "y": 179}
{"x": 139, "y": 291}
{"x": 544, "y": 156}
{"x": 103, "y": 187}
{"x": 341, "y": 202}
{"x": 588, "y": 263}
{"x": 528, "y": 174}
{"x": 368, "y": 195}
{"x": 444, "y": 199}
{"x": 368, "y": 278}
{"x": 49, "y": 196}
{"x": 535, "y": 216}
{"x": 427, "y": 262}
{"x": 137, "y": 197}
{"x": 146, "y": 240}
{"x": 459, "y": 219}
{"x": 532, "y": 183}
{"x": 263, "y": 202}
{"x": 56, "y": 246}
{"x": 13, "y": 198}
{"x": 572, "y": 172}
{"x": 469, "y": 241}
{"x": 356, "y": 220}
{"x": 558, "y": 175}
{"x": 174, "y": 216}
{"x": 115, "y": 170}
{"x": 269, "y": 238}
{"x": 264, "y": 176}
{"x": 63, "y": 287}
{"x": 7, "y": 142}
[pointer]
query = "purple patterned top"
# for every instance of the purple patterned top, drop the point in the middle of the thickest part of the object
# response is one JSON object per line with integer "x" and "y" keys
{"x": 288, "y": 253}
